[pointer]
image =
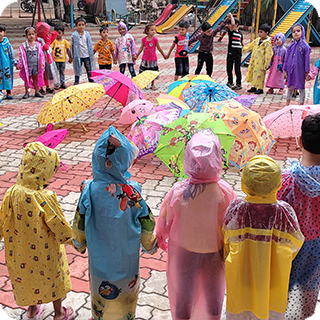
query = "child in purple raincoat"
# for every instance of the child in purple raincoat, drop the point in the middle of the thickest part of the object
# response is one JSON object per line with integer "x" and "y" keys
{"x": 275, "y": 79}
{"x": 297, "y": 63}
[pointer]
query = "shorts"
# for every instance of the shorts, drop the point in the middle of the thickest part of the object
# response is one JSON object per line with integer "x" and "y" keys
{"x": 182, "y": 66}
{"x": 33, "y": 70}
{"x": 105, "y": 66}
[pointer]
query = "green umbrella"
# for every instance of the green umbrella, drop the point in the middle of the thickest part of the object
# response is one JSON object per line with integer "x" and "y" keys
{"x": 175, "y": 135}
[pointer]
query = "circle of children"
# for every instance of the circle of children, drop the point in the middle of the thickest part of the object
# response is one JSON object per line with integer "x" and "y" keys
{"x": 264, "y": 250}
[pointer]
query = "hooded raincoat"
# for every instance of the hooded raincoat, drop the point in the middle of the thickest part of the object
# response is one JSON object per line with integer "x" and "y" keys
{"x": 189, "y": 226}
{"x": 261, "y": 237}
{"x": 112, "y": 219}
{"x": 301, "y": 189}
{"x": 275, "y": 78}
{"x": 7, "y": 61}
{"x": 314, "y": 74}
{"x": 34, "y": 230}
{"x": 297, "y": 61}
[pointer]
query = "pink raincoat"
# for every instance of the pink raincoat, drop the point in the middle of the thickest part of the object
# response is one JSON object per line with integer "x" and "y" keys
{"x": 190, "y": 226}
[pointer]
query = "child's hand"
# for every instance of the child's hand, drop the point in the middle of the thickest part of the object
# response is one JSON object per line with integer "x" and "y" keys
{"x": 115, "y": 62}
{"x": 134, "y": 58}
{"x": 229, "y": 15}
{"x": 308, "y": 78}
{"x": 285, "y": 76}
{"x": 70, "y": 60}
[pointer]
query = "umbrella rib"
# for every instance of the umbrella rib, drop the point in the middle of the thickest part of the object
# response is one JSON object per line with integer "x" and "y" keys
{"x": 100, "y": 114}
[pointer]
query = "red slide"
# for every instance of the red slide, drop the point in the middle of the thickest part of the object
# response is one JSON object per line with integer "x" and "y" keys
{"x": 165, "y": 14}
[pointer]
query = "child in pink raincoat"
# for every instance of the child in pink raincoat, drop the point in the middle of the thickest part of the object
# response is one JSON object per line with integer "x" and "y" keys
{"x": 190, "y": 226}
{"x": 31, "y": 63}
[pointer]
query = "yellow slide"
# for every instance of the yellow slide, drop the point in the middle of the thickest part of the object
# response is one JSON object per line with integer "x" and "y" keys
{"x": 175, "y": 19}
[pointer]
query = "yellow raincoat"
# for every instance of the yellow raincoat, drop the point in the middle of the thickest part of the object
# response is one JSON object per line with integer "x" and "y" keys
{"x": 34, "y": 229}
{"x": 259, "y": 61}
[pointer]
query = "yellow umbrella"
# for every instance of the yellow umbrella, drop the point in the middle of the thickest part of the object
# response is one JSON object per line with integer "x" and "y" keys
{"x": 70, "y": 102}
{"x": 166, "y": 99}
{"x": 144, "y": 78}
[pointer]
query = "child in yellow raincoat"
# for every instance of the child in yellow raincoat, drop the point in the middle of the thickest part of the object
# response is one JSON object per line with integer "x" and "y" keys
{"x": 34, "y": 230}
{"x": 260, "y": 59}
{"x": 261, "y": 237}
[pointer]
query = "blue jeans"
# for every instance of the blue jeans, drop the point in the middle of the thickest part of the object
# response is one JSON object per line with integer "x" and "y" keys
{"x": 131, "y": 69}
{"x": 87, "y": 65}
{"x": 61, "y": 66}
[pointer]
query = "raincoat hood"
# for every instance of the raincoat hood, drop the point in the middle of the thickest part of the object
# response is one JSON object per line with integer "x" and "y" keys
{"x": 42, "y": 29}
{"x": 300, "y": 43}
{"x": 261, "y": 179}
{"x": 112, "y": 156}
{"x": 282, "y": 37}
{"x": 202, "y": 158}
{"x": 123, "y": 25}
{"x": 38, "y": 165}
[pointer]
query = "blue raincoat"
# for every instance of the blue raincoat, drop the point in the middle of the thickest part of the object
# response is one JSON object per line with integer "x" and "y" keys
{"x": 7, "y": 61}
{"x": 112, "y": 219}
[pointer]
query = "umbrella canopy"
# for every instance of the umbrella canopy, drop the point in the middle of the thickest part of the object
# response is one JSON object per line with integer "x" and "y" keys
{"x": 252, "y": 136}
{"x": 247, "y": 100}
{"x": 167, "y": 99}
{"x": 53, "y": 137}
{"x": 145, "y": 133}
{"x": 69, "y": 102}
{"x": 145, "y": 77}
{"x": 197, "y": 95}
{"x": 176, "y": 88}
{"x": 135, "y": 109}
{"x": 175, "y": 136}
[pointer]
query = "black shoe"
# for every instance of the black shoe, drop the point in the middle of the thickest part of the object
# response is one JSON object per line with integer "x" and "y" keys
{"x": 230, "y": 85}
{"x": 237, "y": 87}
{"x": 38, "y": 95}
{"x": 252, "y": 89}
{"x": 294, "y": 96}
{"x": 259, "y": 91}
{"x": 26, "y": 96}
{"x": 42, "y": 91}
{"x": 49, "y": 90}
{"x": 63, "y": 86}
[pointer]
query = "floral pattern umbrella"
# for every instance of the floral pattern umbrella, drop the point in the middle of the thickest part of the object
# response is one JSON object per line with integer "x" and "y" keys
{"x": 247, "y": 100}
{"x": 145, "y": 77}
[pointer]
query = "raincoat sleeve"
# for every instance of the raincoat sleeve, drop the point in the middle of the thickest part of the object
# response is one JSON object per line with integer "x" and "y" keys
{"x": 133, "y": 47}
{"x": 72, "y": 46}
{"x": 11, "y": 55}
{"x": 5, "y": 211}
{"x": 268, "y": 55}
{"x": 248, "y": 47}
{"x": 313, "y": 72}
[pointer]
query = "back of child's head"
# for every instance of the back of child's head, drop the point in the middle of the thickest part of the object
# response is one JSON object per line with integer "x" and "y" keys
{"x": 80, "y": 19}
{"x": 3, "y": 27}
{"x": 102, "y": 28}
{"x": 205, "y": 26}
{"x": 265, "y": 27}
{"x": 261, "y": 179}
{"x": 202, "y": 158}
{"x": 310, "y": 133}
{"x": 184, "y": 24}
{"x": 148, "y": 26}
{"x": 59, "y": 27}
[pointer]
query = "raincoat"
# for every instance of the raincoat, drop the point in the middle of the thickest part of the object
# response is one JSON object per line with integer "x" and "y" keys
{"x": 297, "y": 61}
{"x": 275, "y": 78}
{"x": 261, "y": 237}
{"x": 34, "y": 230}
{"x": 189, "y": 226}
{"x": 314, "y": 73}
{"x": 112, "y": 220}
{"x": 301, "y": 189}
{"x": 7, "y": 61}
{"x": 259, "y": 61}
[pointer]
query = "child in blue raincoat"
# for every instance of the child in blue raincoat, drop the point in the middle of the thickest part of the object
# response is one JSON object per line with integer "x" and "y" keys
{"x": 314, "y": 74}
{"x": 112, "y": 219}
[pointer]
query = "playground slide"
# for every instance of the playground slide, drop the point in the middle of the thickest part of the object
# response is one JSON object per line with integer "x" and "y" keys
{"x": 216, "y": 17}
{"x": 174, "y": 19}
{"x": 165, "y": 14}
{"x": 296, "y": 14}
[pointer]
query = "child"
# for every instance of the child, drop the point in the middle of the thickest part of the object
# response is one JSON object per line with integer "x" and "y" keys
{"x": 301, "y": 189}
{"x": 275, "y": 79}
{"x": 125, "y": 49}
{"x": 314, "y": 73}
{"x": 189, "y": 226}
{"x": 260, "y": 59}
{"x": 112, "y": 219}
{"x": 31, "y": 63}
{"x": 261, "y": 237}
{"x": 106, "y": 49}
{"x": 61, "y": 48}
{"x": 234, "y": 52}
{"x": 7, "y": 61}
{"x": 51, "y": 76}
{"x": 35, "y": 230}
{"x": 82, "y": 51}
{"x": 181, "y": 57}
{"x": 297, "y": 63}
{"x": 149, "y": 44}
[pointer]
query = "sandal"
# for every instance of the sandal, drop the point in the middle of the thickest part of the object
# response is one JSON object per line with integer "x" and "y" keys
{"x": 40, "y": 308}
{"x": 69, "y": 313}
{"x": 280, "y": 91}
{"x": 270, "y": 91}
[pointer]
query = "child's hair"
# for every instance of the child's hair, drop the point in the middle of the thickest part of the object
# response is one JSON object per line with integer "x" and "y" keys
{"x": 310, "y": 133}
{"x": 184, "y": 24}
{"x": 28, "y": 29}
{"x": 81, "y": 19}
{"x": 148, "y": 26}
{"x": 205, "y": 26}
{"x": 3, "y": 27}
{"x": 265, "y": 27}
{"x": 236, "y": 21}
{"x": 59, "y": 27}
{"x": 103, "y": 28}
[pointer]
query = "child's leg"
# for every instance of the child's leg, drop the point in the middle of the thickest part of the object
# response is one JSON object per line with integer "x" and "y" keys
{"x": 87, "y": 65}
{"x": 200, "y": 63}
{"x": 153, "y": 87}
{"x": 60, "y": 312}
{"x": 209, "y": 64}
{"x": 302, "y": 96}
{"x": 122, "y": 68}
{"x": 9, "y": 96}
{"x": 229, "y": 69}
{"x": 185, "y": 66}
{"x": 289, "y": 94}
{"x": 32, "y": 311}
{"x": 179, "y": 68}
{"x": 131, "y": 70}
{"x": 237, "y": 69}
{"x": 35, "y": 83}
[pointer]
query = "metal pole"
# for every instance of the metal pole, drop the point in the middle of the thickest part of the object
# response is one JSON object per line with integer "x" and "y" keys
{"x": 39, "y": 10}
{"x": 239, "y": 8}
{"x": 275, "y": 7}
{"x": 254, "y": 18}
{"x": 309, "y": 27}
{"x": 258, "y": 18}
{"x": 71, "y": 5}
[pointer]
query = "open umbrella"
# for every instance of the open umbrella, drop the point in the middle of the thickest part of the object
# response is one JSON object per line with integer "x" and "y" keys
{"x": 175, "y": 135}
{"x": 197, "y": 95}
{"x": 247, "y": 100}
{"x": 135, "y": 109}
{"x": 69, "y": 102}
{"x": 145, "y": 77}
{"x": 252, "y": 136}
{"x": 117, "y": 86}
{"x": 167, "y": 99}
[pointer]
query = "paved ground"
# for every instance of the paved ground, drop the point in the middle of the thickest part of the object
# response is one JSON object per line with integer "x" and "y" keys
{"x": 19, "y": 126}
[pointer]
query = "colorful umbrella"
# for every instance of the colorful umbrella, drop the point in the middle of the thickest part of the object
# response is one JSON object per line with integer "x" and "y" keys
{"x": 175, "y": 136}
{"x": 197, "y": 95}
{"x": 135, "y": 110}
{"x": 176, "y": 88}
{"x": 247, "y": 100}
{"x": 52, "y": 138}
{"x": 252, "y": 136}
{"x": 69, "y": 102}
{"x": 167, "y": 99}
{"x": 145, "y": 133}
{"x": 145, "y": 77}
{"x": 117, "y": 86}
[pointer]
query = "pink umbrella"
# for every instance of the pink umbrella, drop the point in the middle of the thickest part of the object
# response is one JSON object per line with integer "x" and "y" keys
{"x": 135, "y": 110}
{"x": 246, "y": 100}
{"x": 52, "y": 138}
{"x": 287, "y": 122}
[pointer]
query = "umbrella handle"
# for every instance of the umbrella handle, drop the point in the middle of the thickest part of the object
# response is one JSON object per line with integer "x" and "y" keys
{"x": 294, "y": 129}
